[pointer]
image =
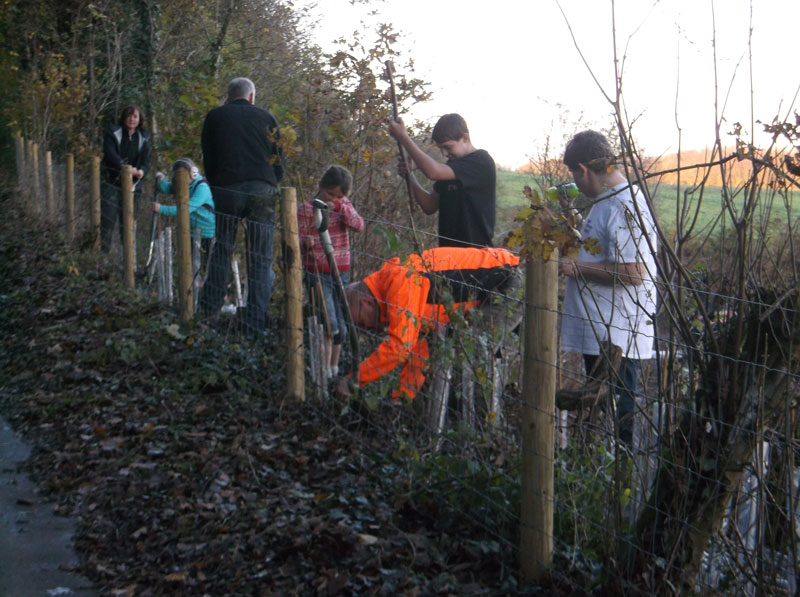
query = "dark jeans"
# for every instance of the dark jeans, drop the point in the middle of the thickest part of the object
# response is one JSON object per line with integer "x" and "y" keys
{"x": 205, "y": 248}
{"x": 501, "y": 312}
{"x": 253, "y": 201}
{"x": 629, "y": 376}
{"x": 111, "y": 213}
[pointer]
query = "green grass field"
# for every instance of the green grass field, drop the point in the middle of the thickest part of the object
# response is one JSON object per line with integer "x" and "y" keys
{"x": 510, "y": 198}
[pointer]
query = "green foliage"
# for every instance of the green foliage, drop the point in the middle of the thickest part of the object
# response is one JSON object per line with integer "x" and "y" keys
{"x": 9, "y": 67}
{"x": 392, "y": 243}
{"x": 175, "y": 59}
{"x": 53, "y": 104}
{"x": 545, "y": 228}
{"x": 181, "y": 127}
{"x": 463, "y": 490}
{"x": 584, "y": 483}
{"x": 345, "y": 107}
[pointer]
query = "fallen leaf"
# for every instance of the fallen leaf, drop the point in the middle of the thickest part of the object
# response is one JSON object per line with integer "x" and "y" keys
{"x": 175, "y": 332}
{"x": 365, "y": 539}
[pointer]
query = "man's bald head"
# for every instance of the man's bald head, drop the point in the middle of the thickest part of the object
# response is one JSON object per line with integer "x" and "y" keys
{"x": 363, "y": 305}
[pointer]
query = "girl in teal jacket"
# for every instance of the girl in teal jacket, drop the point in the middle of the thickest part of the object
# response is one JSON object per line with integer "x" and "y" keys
{"x": 201, "y": 204}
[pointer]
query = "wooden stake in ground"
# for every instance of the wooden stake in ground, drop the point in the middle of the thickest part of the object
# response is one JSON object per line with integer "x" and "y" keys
{"x": 35, "y": 178}
{"x": 169, "y": 281}
{"x": 321, "y": 224}
{"x": 19, "y": 145}
{"x": 161, "y": 261}
{"x": 402, "y": 153}
{"x": 95, "y": 198}
{"x": 538, "y": 418}
{"x": 237, "y": 283}
{"x": 70, "y": 197}
{"x": 196, "y": 265}
{"x": 126, "y": 180}
{"x": 28, "y": 175}
{"x": 151, "y": 253}
{"x": 185, "y": 296}
{"x": 50, "y": 192}
{"x": 295, "y": 372}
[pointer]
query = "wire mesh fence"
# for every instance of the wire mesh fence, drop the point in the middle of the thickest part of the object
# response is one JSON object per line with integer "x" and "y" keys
{"x": 703, "y": 496}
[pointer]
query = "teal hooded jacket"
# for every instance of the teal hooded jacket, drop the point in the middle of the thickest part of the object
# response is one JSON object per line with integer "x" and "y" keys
{"x": 201, "y": 206}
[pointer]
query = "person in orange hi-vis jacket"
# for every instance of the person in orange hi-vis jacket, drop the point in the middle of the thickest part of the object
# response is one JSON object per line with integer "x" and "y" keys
{"x": 406, "y": 295}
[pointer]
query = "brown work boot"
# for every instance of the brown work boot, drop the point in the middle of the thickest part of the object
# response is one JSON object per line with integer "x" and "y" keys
{"x": 597, "y": 385}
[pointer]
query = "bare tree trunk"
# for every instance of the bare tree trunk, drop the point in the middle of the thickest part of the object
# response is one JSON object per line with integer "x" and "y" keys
{"x": 227, "y": 10}
{"x": 741, "y": 394}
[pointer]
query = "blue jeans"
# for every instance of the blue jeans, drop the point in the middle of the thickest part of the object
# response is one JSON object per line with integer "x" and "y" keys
{"x": 253, "y": 201}
{"x": 333, "y": 306}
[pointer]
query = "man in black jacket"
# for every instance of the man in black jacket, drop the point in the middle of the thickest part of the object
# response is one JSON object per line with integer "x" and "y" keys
{"x": 243, "y": 163}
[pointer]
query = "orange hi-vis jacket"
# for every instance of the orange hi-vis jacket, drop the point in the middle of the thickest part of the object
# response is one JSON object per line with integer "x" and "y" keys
{"x": 409, "y": 294}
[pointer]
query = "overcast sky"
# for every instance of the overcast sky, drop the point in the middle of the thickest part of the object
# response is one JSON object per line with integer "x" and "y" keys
{"x": 511, "y": 69}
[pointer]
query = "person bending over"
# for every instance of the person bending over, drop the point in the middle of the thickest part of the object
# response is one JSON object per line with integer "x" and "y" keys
{"x": 409, "y": 298}
{"x": 201, "y": 204}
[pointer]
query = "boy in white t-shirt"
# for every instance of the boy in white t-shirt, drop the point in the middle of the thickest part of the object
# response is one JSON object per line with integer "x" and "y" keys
{"x": 610, "y": 295}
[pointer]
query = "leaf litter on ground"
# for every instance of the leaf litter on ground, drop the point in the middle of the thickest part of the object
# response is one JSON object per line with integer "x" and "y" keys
{"x": 188, "y": 469}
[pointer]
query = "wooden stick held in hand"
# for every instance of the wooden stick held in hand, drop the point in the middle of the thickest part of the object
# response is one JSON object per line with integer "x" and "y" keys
{"x": 407, "y": 176}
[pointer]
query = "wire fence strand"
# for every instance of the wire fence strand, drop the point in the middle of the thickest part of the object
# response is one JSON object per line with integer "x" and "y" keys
{"x": 466, "y": 457}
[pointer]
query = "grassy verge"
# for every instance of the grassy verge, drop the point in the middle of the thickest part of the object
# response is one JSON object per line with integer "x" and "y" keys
{"x": 705, "y": 210}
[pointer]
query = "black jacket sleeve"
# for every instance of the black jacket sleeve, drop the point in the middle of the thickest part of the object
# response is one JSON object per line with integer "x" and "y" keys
{"x": 278, "y": 159}
{"x": 143, "y": 160}
{"x": 111, "y": 157}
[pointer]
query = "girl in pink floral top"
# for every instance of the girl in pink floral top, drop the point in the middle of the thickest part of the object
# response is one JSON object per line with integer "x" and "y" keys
{"x": 333, "y": 189}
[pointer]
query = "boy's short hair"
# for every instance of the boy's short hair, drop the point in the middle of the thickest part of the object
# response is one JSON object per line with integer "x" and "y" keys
{"x": 337, "y": 176}
{"x": 450, "y": 127}
{"x": 591, "y": 149}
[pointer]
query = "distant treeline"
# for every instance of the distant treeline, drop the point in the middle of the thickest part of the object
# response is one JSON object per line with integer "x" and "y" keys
{"x": 736, "y": 172}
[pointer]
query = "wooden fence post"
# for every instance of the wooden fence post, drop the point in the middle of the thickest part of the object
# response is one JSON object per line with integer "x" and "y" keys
{"x": 27, "y": 163}
{"x": 95, "y": 198}
{"x": 48, "y": 177}
{"x": 169, "y": 270}
{"x": 185, "y": 295}
{"x": 19, "y": 145}
{"x": 36, "y": 179}
{"x": 538, "y": 418}
{"x": 295, "y": 372}
{"x": 28, "y": 176}
{"x": 129, "y": 259}
{"x": 70, "y": 197}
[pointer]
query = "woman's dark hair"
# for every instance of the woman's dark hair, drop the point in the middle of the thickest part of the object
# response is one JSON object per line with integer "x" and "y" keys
{"x": 591, "y": 149}
{"x": 337, "y": 176}
{"x": 450, "y": 127}
{"x": 127, "y": 111}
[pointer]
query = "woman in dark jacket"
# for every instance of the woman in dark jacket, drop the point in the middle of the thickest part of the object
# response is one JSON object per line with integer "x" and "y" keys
{"x": 126, "y": 142}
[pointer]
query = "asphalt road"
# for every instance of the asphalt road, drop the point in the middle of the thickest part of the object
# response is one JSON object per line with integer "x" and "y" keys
{"x": 36, "y": 552}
